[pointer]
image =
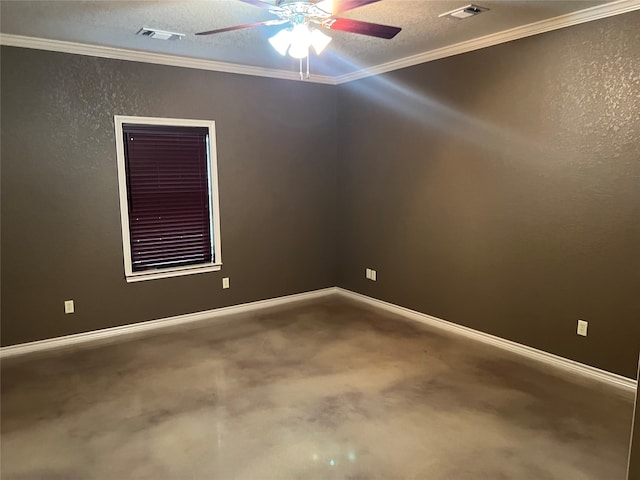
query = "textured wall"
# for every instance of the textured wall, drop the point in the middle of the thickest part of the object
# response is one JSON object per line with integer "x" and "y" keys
{"x": 60, "y": 207}
{"x": 500, "y": 190}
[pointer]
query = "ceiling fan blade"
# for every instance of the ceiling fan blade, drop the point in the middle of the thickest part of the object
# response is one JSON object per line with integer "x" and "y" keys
{"x": 363, "y": 28}
{"x": 340, "y": 6}
{"x": 241, "y": 27}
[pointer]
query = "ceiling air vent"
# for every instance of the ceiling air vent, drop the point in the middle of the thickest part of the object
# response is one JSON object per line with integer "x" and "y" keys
{"x": 159, "y": 34}
{"x": 464, "y": 12}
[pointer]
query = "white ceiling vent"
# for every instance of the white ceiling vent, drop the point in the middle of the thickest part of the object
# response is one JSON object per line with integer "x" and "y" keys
{"x": 464, "y": 12}
{"x": 159, "y": 34}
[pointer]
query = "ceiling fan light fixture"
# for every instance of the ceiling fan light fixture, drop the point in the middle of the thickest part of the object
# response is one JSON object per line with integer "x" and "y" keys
{"x": 299, "y": 51}
{"x": 281, "y": 41}
{"x": 319, "y": 40}
{"x": 302, "y": 17}
{"x": 300, "y": 41}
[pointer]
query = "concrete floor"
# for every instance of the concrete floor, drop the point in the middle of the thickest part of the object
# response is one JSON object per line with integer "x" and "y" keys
{"x": 322, "y": 390}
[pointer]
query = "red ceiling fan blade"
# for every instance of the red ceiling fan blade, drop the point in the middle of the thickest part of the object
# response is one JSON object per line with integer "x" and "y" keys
{"x": 340, "y": 6}
{"x": 363, "y": 28}
{"x": 240, "y": 27}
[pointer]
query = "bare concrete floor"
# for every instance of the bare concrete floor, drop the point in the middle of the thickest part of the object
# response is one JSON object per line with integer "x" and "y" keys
{"x": 322, "y": 390}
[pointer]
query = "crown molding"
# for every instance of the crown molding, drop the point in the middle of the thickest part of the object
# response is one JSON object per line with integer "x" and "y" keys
{"x": 582, "y": 16}
{"x": 150, "y": 57}
{"x": 610, "y": 9}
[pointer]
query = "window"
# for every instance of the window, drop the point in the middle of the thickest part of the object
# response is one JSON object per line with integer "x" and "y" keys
{"x": 168, "y": 196}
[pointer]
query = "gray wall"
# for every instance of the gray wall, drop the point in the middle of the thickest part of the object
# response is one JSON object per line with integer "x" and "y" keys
{"x": 61, "y": 234}
{"x": 500, "y": 190}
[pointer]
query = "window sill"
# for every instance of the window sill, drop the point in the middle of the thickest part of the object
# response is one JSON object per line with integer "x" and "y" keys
{"x": 156, "y": 274}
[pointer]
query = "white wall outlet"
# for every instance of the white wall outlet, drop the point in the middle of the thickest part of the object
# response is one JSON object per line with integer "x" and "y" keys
{"x": 368, "y": 274}
{"x": 582, "y": 328}
{"x": 374, "y": 275}
{"x": 68, "y": 306}
{"x": 225, "y": 282}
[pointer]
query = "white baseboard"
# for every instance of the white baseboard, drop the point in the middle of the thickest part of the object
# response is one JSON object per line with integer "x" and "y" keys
{"x": 78, "y": 338}
{"x": 529, "y": 352}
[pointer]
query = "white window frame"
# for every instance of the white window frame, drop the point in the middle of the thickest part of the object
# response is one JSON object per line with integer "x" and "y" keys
{"x": 214, "y": 205}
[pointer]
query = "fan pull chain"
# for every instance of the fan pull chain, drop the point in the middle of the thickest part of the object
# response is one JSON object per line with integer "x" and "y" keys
{"x": 302, "y": 75}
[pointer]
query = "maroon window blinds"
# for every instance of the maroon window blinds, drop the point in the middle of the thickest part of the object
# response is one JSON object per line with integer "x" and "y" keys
{"x": 167, "y": 173}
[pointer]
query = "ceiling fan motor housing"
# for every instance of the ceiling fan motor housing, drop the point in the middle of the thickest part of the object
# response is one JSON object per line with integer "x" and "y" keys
{"x": 298, "y": 12}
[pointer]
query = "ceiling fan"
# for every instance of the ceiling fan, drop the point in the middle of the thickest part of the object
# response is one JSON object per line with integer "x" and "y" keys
{"x": 306, "y": 19}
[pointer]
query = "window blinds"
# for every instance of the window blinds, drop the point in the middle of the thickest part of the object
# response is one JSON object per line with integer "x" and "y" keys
{"x": 168, "y": 196}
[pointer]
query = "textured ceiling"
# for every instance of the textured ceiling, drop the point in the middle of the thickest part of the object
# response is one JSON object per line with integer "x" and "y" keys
{"x": 115, "y": 23}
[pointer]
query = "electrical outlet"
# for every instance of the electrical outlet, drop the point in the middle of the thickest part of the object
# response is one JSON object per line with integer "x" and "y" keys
{"x": 368, "y": 274}
{"x": 374, "y": 275}
{"x": 225, "y": 282}
{"x": 68, "y": 306}
{"x": 582, "y": 328}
